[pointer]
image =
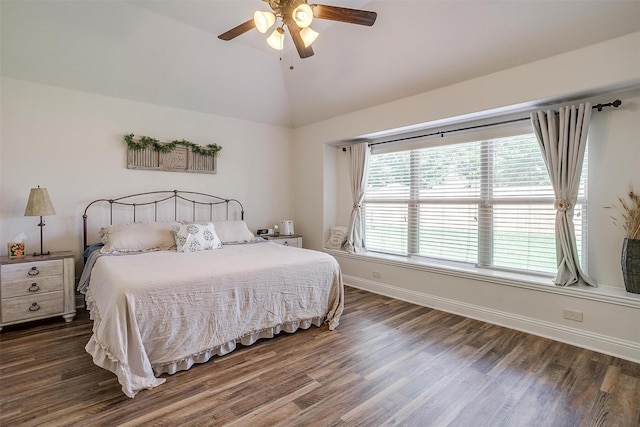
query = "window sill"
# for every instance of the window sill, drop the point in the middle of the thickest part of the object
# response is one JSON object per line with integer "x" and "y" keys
{"x": 609, "y": 294}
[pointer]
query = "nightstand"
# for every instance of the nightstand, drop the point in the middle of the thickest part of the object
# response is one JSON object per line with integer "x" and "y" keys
{"x": 37, "y": 287}
{"x": 294, "y": 240}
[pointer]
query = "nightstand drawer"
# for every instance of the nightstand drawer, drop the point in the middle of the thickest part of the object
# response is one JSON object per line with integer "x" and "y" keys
{"x": 31, "y": 270}
{"x": 32, "y": 307}
{"x": 293, "y": 241}
{"x": 35, "y": 286}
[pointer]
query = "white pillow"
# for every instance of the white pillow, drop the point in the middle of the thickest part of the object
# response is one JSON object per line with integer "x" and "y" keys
{"x": 196, "y": 237}
{"x": 337, "y": 237}
{"x": 233, "y": 231}
{"x": 138, "y": 237}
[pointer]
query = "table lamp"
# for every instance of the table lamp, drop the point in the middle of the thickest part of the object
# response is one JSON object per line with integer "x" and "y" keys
{"x": 39, "y": 204}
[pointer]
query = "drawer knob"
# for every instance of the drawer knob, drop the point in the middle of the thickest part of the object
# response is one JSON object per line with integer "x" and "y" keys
{"x": 34, "y": 307}
{"x": 286, "y": 243}
{"x": 33, "y": 272}
{"x": 34, "y": 287}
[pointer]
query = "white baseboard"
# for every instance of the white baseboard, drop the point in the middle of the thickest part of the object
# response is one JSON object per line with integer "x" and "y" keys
{"x": 623, "y": 349}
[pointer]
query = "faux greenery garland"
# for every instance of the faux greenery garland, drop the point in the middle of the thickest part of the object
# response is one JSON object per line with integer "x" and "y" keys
{"x": 144, "y": 142}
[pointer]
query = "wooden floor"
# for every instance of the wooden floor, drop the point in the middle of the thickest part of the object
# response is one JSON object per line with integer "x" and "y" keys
{"x": 388, "y": 363}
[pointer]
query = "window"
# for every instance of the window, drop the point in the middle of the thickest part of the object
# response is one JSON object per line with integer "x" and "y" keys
{"x": 483, "y": 198}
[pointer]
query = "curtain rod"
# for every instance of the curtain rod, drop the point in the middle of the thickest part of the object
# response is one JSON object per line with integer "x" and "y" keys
{"x": 598, "y": 107}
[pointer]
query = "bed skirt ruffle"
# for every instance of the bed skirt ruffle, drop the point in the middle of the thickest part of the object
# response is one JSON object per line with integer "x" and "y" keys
{"x": 229, "y": 346}
{"x": 130, "y": 385}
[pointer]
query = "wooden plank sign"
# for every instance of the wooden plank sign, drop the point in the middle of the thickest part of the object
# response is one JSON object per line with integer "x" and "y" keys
{"x": 180, "y": 159}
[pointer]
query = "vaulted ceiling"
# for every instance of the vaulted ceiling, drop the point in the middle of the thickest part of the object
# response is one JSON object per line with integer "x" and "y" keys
{"x": 168, "y": 53}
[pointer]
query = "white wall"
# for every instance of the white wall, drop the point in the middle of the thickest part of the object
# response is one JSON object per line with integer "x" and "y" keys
{"x": 323, "y": 200}
{"x": 72, "y": 143}
{"x": 614, "y": 156}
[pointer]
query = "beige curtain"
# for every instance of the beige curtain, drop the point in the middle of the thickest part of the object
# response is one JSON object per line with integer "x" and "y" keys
{"x": 563, "y": 139}
{"x": 358, "y": 168}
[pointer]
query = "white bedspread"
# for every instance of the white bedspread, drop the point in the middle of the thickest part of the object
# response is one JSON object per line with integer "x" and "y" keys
{"x": 164, "y": 311}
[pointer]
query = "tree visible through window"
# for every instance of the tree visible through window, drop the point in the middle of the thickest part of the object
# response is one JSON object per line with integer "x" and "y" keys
{"x": 488, "y": 202}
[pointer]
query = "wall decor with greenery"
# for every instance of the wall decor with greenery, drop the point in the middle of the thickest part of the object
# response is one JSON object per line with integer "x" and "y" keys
{"x": 148, "y": 153}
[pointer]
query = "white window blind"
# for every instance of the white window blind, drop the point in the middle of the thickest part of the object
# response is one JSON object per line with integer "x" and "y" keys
{"x": 487, "y": 201}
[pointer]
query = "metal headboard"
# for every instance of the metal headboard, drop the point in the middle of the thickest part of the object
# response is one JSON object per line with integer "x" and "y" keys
{"x": 157, "y": 199}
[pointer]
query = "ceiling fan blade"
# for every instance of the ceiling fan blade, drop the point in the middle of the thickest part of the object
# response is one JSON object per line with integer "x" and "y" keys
{"x": 303, "y": 51}
{"x": 236, "y": 31}
{"x": 343, "y": 14}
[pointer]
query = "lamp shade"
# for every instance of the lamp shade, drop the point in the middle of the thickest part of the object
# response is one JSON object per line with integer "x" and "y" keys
{"x": 39, "y": 203}
{"x": 303, "y": 15}
{"x": 276, "y": 39}
{"x": 308, "y": 36}
{"x": 263, "y": 20}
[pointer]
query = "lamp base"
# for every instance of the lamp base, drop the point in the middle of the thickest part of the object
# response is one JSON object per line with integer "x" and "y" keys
{"x": 42, "y": 252}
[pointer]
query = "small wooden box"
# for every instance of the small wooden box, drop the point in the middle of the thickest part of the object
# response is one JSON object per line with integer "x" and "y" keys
{"x": 15, "y": 249}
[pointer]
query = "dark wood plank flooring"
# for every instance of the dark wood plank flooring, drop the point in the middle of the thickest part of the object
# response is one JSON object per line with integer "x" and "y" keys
{"x": 388, "y": 363}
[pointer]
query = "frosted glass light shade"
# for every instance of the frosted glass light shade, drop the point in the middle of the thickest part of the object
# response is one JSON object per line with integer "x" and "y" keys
{"x": 303, "y": 15}
{"x": 39, "y": 203}
{"x": 276, "y": 39}
{"x": 308, "y": 36}
{"x": 263, "y": 20}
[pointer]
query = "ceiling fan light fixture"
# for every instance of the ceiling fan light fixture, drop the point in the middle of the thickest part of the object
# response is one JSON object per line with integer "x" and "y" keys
{"x": 297, "y": 15}
{"x": 263, "y": 20}
{"x": 303, "y": 15}
{"x": 308, "y": 36}
{"x": 276, "y": 39}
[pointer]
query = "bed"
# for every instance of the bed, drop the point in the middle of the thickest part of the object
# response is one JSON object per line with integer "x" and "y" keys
{"x": 167, "y": 293}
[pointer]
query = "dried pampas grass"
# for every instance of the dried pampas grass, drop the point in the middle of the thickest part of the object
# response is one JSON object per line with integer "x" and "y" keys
{"x": 630, "y": 213}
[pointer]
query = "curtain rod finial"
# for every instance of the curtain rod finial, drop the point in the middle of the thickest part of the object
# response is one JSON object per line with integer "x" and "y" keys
{"x": 615, "y": 104}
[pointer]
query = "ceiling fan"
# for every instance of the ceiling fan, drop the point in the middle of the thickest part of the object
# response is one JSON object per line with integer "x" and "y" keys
{"x": 297, "y": 15}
